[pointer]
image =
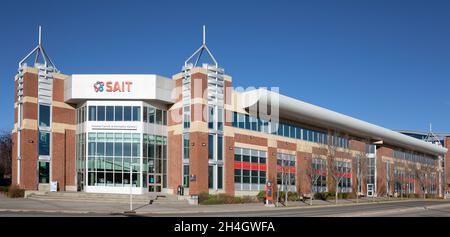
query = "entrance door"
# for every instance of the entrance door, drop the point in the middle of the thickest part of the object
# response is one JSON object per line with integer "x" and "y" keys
{"x": 44, "y": 172}
{"x": 80, "y": 181}
{"x": 370, "y": 190}
{"x": 154, "y": 182}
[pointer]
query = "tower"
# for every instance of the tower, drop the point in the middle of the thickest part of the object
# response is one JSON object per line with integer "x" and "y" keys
{"x": 197, "y": 142}
{"x": 44, "y": 126}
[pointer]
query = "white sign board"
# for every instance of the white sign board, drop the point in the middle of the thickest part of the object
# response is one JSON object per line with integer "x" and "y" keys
{"x": 53, "y": 186}
{"x": 118, "y": 86}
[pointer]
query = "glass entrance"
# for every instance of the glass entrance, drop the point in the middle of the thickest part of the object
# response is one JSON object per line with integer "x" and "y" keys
{"x": 44, "y": 172}
{"x": 154, "y": 182}
{"x": 370, "y": 190}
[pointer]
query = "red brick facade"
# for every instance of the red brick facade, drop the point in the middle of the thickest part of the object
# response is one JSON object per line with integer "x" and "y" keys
{"x": 63, "y": 166}
{"x": 62, "y": 163}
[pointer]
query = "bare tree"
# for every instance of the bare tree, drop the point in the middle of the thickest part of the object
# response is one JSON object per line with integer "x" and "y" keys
{"x": 361, "y": 164}
{"x": 5, "y": 154}
{"x": 312, "y": 174}
{"x": 399, "y": 177}
{"x": 331, "y": 147}
{"x": 410, "y": 174}
{"x": 422, "y": 176}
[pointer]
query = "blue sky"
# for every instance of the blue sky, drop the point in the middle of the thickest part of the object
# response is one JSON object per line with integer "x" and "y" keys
{"x": 386, "y": 62}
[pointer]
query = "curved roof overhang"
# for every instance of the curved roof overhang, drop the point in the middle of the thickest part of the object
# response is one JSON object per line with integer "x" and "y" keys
{"x": 296, "y": 110}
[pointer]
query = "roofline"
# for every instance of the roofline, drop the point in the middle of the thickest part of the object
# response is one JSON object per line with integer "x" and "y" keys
{"x": 301, "y": 111}
{"x": 444, "y": 134}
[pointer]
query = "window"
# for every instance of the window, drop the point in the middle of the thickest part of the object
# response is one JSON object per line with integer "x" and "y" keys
{"x": 241, "y": 120}
{"x": 44, "y": 143}
{"x": 111, "y": 156}
{"x": 92, "y": 113}
{"x": 250, "y": 175}
{"x": 164, "y": 117}
{"x": 286, "y": 172}
{"x": 211, "y": 117}
{"x": 158, "y": 116}
{"x": 238, "y": 176}
{"x": 219, "y": 147}
{"x": 252, "y": 123}
{"x": 100, "y": 113}
{"x": 344, "y": 173}
{"x": 118, "y": 113}
{"x": 187, "y": 117}
{"x": 186, "y": 176}
{"x": 319, "y": 175}
{"x": 109, "y": 113}
{"x": 151, "y": 115}
{"x": 210, "y": 176}
{"x": 145, "y": 114}
{"x": 210, "y": 146}
{"x": 127, "y": 113}
{"x": 44, "y": 116}
{"x": 219, "y": 177}
{"x": 186, "y": 146}
{"x": 136, "y": 113}
{"x": 247, "y": 122}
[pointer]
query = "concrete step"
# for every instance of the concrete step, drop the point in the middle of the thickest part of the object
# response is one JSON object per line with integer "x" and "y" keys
{"x": 93, "y": 197}
{"x": 97, "y": 195}
{"x": 154, "y": 198}
{"x": 46, "y": 198}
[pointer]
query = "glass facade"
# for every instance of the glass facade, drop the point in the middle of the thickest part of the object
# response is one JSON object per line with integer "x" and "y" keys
{"x": 286, "y": 130}
{"x": 250, "y": 169}
{"x": 44, "y": 172}
{"x": 344, "y": 173}
{"x": 186, "y": 175}
{"x": 44, "y": 115}
{"x": 286, "y": 172}
{"x": 114, "y": 159}
{"x": 319, "y": 175}
{"x": 414, "y": 157}
{"x": 155, "y": 162}
{"x": 44, "y": 143}
{"x": 125, "y": 113}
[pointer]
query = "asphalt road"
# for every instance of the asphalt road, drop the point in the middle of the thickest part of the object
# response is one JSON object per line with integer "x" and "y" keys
{"x": 415, "y": 208}
{"x": 407, "y": 208}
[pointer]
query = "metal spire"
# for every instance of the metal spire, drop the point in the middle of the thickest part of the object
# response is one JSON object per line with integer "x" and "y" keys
{"x": 431, "y": 137}
{"x": 204, "y": 35}
{"x": 40, "y": 36}
{"x": 39, "y": 50}
{"x": 198, "y": 53}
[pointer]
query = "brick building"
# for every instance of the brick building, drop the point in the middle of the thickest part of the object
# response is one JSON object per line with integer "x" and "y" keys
{"x": 105, "y": 133}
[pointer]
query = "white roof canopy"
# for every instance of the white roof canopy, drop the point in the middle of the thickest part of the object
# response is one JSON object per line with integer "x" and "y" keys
{"x": 300, "y": 111}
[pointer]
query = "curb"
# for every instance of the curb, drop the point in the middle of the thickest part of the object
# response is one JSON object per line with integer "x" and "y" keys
{"x": 263, "y": 208}
{"x": 364, "y": 214}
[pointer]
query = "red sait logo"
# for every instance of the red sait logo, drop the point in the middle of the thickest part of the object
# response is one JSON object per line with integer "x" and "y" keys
{"x": 110, "y": 86}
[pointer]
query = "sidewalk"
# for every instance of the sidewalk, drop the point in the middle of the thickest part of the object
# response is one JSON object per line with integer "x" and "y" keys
{"x": 21, "y": 204}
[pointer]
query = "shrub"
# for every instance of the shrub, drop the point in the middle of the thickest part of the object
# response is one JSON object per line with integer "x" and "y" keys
{"x": 332, "y": 195}
{"x": 4, "y": 189}
{"x": 15, "y": 192}
{"x": 324, "y": 196}
{"x": 413, "y": 195}
{"x": 249, "y": 199}
{"x": 292, "y": 196}
{"x": 261, "y": 196}
{"x": 429, "y": 195}
{"x": 207, "y": 199}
